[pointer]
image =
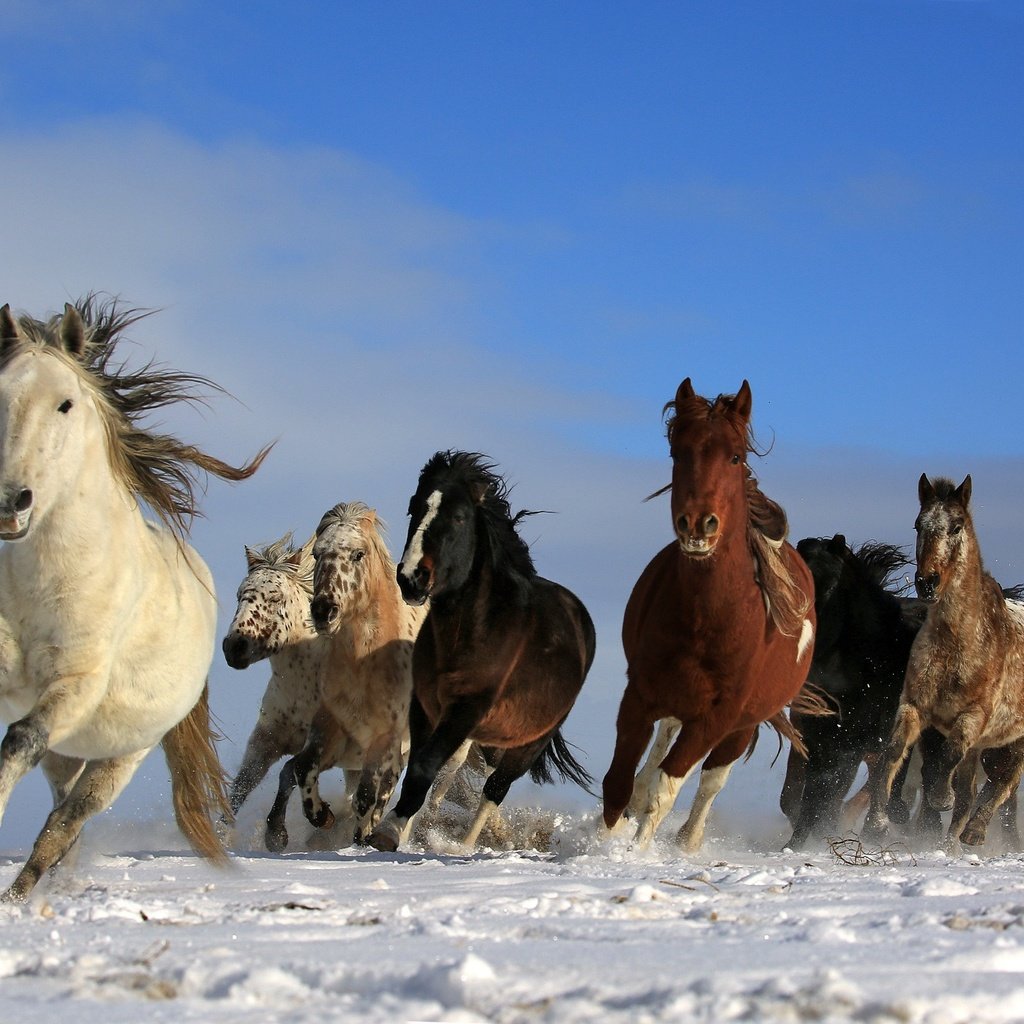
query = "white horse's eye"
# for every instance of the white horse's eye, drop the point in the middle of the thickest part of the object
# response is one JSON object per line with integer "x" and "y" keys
{"x": 357, "y": 556}
{"x": 65, "y": 406}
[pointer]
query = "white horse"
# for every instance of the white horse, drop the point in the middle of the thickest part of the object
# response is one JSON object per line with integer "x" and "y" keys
{"x": 272, "y": 622}
{"x": 107, "y": 621}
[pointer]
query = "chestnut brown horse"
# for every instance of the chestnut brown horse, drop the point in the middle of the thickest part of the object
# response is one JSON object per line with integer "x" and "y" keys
{"x": 719, "y": 629}
{"x": 965, "y": 676}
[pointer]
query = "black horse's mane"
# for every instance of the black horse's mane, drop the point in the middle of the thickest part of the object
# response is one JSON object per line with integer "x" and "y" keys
{"x": 882, "y": 562}
{"x": 489, "y": 491}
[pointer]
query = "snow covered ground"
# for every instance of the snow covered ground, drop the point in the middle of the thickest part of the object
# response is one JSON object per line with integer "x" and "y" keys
{"x": 139, "y": 929}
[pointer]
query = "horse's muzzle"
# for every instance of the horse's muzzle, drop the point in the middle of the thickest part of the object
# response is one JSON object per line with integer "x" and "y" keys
{"x": 927, "y": 587}
{"x": 415, "y": 590}
{"x": 16, "y": 515}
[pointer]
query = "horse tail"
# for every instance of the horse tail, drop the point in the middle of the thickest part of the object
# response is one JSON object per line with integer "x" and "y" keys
{"x": 811, "y": 702}
{"x": 557, "y": 754}
{"x": 198, "y": 782}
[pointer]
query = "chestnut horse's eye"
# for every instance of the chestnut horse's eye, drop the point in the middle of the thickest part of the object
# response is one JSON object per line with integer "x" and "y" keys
{"x": 737, "y": 459}
{"x": 65, "y": 406}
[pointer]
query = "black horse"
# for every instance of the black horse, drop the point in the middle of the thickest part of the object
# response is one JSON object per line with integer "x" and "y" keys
{"x": 503, "y": 652}
{"x": 865, "y": 632}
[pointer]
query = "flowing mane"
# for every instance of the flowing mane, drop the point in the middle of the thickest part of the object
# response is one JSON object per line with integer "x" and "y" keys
{"x": 767, "y": 524}
{"x": 165, "y": 473}
{"x": 359, "y": 514}
{"x": 281, "y": 556}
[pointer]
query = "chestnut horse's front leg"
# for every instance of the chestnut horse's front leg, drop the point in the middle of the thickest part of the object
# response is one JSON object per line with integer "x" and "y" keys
{"x": 633, "y": 729}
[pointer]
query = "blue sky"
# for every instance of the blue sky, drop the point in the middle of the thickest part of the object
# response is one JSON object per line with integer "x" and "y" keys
{"x": 388, "y": 229}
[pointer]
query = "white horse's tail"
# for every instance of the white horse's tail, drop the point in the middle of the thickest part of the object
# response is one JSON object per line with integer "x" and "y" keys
{"x": 198, "y": 782}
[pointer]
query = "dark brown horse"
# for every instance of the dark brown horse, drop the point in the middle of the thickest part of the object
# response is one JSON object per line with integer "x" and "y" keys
{"x": 965, "y": 676}
{"x": 719, "y": 629}
{"x": 503, "y": 652}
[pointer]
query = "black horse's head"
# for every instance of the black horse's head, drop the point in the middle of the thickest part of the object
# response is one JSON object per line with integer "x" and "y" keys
{"x": 460, "y": 505}
{"x": 828, "y": 559}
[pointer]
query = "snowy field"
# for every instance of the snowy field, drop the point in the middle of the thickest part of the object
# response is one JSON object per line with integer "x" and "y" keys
{"x": 138, "y": 929}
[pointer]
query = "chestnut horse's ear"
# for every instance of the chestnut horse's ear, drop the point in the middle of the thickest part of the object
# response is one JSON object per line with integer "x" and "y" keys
{"x": 72, "y": 331}
{"x": 685, "y": 392}
{"x": 963, "y": 492}
{"x": 925, "y": 491}
{"x": 743, "y": 402}
{"x": 10, "y": 334}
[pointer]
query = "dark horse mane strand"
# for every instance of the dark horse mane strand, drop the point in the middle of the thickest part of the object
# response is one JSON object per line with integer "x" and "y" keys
{"x": 509, "y": 552}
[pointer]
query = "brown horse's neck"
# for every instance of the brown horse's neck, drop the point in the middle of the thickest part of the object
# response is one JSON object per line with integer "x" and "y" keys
{"x": 968, "y": 598}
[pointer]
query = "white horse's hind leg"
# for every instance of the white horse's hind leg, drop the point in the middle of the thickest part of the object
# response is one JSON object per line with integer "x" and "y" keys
{"x": 647, "y": 779}
{"x": 61, "y": 773}
{"x": 96, "y": 789}
{"x": 691, "y": 835}
{"x": 660, "y": 799}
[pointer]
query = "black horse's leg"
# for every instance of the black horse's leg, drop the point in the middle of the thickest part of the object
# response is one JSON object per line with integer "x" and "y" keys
{"x": 514, "y": 764}
{"x": 429, "y": 750}
{"x": 827, "y": 781}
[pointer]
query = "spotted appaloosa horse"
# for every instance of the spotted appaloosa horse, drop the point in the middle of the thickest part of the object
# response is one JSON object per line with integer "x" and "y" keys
{"x": 965, "y": 676}
{"x": 503, "y": 652}
{"x": 272, "y": 621}
{"x": 361, "y": 719}
{"x": 107, "y": 620}
{"x": 719, "y": 629}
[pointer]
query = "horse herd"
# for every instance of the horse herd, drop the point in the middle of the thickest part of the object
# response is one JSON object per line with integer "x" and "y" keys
{"x": 455, "y": 670}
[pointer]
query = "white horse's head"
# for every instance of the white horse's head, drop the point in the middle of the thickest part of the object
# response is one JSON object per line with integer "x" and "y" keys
{"x": 50, "y": 430}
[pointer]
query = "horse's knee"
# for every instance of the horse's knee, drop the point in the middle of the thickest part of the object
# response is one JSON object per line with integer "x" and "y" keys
{"x": 25, "y": 741}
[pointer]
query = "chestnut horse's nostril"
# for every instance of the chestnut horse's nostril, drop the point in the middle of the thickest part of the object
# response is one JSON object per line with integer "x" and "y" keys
{"x": 23, "y": 502}
{"x": 710, "y": 525}
{"x": 682, "y": 526}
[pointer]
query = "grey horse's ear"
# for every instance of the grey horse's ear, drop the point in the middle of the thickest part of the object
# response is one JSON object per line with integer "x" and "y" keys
{"x": 252, "y": 557}
{"x": 10, "y": 333}
{"x": 72, "y": 331}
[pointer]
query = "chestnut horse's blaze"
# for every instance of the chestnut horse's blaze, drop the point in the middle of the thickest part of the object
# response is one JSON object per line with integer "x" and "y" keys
{"x": 718, "y": 631}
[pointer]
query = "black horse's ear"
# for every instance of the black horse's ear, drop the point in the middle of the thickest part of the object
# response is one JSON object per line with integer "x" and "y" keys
{"x": 837, "y": 545}
{"x": 478, "y": 491}
{"x": 72, "y": 331}
{"x": 963, "y": 492}
{"x": 925, "y": 491}
{"x": 10, "y": 334}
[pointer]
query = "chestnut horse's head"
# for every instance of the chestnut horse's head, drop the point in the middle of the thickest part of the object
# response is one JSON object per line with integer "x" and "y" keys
{"x": 709, "y": 442}
{"x": 945, "y": 534}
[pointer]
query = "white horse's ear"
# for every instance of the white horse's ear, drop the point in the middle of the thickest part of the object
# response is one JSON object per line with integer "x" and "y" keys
{"x": 10, "y": 333}
{"x": 252, "y": 558}
{"x": 306, "y": 551}
{"x": 72, "y": 331}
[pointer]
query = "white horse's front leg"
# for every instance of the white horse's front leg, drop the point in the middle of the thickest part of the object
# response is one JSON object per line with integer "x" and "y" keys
{"x": 96, "y": 789}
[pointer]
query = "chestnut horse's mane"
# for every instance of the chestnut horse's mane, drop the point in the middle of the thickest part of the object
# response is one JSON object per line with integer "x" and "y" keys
{"x": 767, "y": 524}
